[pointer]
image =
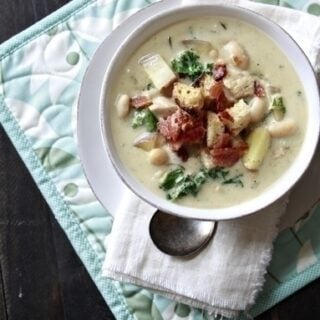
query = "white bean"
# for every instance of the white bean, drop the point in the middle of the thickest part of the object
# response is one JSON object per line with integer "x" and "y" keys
{"x": 123, "y": 106}
{"x": 283, "y": 128}
{"x": 236, "y": 54}
{"x": 220, "y": 61}
{"x": 258, "y": 108}
{"x": 213, "y": 54}
{"x": 158, "y": 157}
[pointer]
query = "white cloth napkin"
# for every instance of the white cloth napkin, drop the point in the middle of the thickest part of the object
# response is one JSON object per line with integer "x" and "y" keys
{"x": 227, "y": 275}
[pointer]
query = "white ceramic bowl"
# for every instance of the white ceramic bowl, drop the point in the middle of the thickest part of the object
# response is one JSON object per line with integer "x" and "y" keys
{"x": 166, "y": 16}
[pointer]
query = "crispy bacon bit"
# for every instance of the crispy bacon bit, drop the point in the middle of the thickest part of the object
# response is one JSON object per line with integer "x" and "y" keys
{"x": 240, "y": 144}
{"x": 259, "y": 90}
{"x": 228, "y": 151}
{"x": 140, "y": 102}
{"x": 219, "y": 71}
{"x": 226, "y": 157}
{"x": 225, "y": 117}
{"x": 181, "y": 128}
{"x": 183, "y": 154}
{"x": 224, "y": 141}
{"x": 219, "y": 97}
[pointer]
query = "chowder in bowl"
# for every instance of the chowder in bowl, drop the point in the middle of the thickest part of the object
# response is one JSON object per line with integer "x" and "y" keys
{"x": 210, "y": 112}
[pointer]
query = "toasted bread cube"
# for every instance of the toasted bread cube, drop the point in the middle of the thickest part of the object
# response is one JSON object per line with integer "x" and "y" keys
{"x": 187, "y": 96}
{"x": 240, "y": 84}
{"x": 240, "y": 117}
{"x": 207, "y": 82}
{"x": 214, "y": 128}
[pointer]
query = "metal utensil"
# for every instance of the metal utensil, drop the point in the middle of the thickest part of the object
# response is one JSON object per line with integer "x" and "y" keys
{"x": 177, "y": 236}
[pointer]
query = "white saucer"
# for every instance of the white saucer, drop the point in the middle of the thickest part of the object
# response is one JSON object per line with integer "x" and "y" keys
{"x": 103, "y": 179}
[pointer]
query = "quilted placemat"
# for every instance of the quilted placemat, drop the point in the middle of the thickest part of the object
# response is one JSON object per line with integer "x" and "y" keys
{"x": 40, "y": 76}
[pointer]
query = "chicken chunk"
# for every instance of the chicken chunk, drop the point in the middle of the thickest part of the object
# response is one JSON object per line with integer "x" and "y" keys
{"x": 163, "y": 107}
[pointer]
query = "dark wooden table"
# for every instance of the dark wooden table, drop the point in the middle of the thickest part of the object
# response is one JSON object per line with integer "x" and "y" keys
{"x": 41, "y": 277}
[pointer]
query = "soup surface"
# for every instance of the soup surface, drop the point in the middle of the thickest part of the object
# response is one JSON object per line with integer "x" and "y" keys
{"x": 208, "y": 112}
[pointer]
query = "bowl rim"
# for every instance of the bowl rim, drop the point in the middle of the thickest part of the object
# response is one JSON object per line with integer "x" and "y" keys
{"x": 273, "y": 192}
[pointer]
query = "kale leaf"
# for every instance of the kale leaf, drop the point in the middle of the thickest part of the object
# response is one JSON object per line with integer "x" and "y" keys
{"x": 177, "y": 183}
{"x": 172, "y": 178}
{"x": 144, "y": 118}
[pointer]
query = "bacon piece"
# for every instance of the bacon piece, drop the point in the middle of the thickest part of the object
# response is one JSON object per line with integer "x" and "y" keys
{"x": 219, "y": 97}
{"x": 219, "y": 72}
{"x": 240, "y": 144}
{"x": 176, "y": 146}
{"x": 183, "y": 154}
{"x": 225, "y": 117}
{"x": 181, "y": 128}
{"x": 140, "y": 102}
{"x": 226, "y": 157}
{"x": 228, "y": 151}
{"x": 224, "y": 141}
{"x": 259, "y": 90}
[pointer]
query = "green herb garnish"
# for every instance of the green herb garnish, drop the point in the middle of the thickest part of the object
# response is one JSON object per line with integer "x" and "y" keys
{"x": 235, "y": 180}
{"x": 208, "y": 68}
{"x": 177, "y": 183}
{"x": 188, "y": 65}
{"x": 144, "y": 118}
{"x": 218, "y": 173}
{"x": 223, "y": 25}
{"x": 149, "y": 86}
{"x": 170, "y": 41}
{"x": 278, "y": 107}
{"x": 172, "y": 178}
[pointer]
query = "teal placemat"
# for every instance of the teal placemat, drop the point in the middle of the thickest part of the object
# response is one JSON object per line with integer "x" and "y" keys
{"x": 40, "y": 75}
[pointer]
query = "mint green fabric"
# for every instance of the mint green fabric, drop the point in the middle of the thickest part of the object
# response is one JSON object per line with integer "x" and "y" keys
{"x": 40, "y": 75}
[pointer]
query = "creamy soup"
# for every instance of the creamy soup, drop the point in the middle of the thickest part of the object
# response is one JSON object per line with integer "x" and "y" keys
{"x": 208, "y": 113}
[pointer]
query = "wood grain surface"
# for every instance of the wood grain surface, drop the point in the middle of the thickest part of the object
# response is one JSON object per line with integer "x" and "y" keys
{"x": 41, "y": 277}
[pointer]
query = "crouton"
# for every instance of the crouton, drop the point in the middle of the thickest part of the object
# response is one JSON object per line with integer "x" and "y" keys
{"x": 240, "y": 84}
{"x": 188, "y": 97}
{"x": 214, "y": 128}
{"x": 207, "y": 82}
{"x": 238, "y": 117}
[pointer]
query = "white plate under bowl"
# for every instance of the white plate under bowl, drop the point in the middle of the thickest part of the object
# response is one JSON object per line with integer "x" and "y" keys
{"x": 102, "y": 177}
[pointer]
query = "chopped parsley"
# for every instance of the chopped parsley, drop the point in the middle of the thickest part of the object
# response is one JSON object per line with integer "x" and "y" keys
{"x": 235, "y": 180}
{"x": 223, "y": 25}
{"x": 144, "y": 118}
{"x": 208, "y": 68}
{"x": 190, "y": 29}
{"x": 188, "y": 64}
{"x": 149, "y": 86}
{"x": 177, "y": 183}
